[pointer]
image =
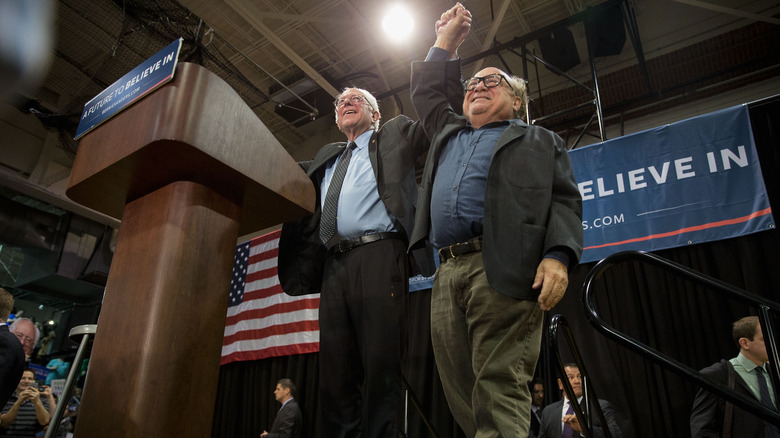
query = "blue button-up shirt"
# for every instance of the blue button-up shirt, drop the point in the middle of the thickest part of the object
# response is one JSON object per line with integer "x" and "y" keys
{"x": 360, "y": 210}
{"x": 458, "y": 193}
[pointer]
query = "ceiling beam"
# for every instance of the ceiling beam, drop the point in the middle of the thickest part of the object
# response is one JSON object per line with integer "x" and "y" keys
{"x": 252, "y": 15}
{"x": 492, "y": 33}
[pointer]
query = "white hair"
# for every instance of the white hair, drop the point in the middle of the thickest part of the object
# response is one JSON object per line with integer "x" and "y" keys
{"x": 371, "y": 102}
{"x": 37, "y": 331}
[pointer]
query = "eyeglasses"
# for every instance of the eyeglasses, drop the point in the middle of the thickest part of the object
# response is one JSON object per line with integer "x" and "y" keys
{"x": 25, "y": 339}
{"x": 490, "y": 81}
{"x": 354, "y": 99}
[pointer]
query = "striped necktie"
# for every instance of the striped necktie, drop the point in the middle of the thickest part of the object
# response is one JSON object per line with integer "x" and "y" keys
{"x": 331, "y": 206}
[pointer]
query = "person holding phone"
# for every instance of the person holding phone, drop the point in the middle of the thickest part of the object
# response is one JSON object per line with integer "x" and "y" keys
{"x": 28, "y": 410}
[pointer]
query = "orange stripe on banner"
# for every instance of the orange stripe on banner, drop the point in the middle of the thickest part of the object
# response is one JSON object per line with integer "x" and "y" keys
{"x": 274, "y": 330}
{"x": 284, "y": 350}
{"x": 303, "y": 304}
{"x": 722, "y": 223}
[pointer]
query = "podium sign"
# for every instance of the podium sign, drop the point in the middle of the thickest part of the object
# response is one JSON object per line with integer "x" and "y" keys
{"x": 142, "y": 80}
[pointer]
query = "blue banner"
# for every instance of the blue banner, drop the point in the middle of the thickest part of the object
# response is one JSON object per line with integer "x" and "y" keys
{"x": 147, "y": 77}
{"x": 694, "y": 181}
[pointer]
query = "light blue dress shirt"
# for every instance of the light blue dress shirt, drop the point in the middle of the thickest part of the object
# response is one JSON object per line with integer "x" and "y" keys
{"x": 360, "y": 210}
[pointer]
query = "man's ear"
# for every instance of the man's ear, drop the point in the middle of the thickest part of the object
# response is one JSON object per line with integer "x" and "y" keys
{"x": 743, "y": 343}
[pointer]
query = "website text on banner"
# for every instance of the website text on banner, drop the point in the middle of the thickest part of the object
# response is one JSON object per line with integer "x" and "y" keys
{"x": 262, "y": 320}
{"x": 694, "y": 181}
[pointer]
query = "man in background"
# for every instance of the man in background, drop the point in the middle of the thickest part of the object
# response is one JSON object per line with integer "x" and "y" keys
{"x": 711, "y": 416}
{"x": 559, "y": 420}
{"x": 537, "y": 404}
{"x": 28, "y": 334}
{"x": 11, "y": 351}
{"x": 288, "y": 421}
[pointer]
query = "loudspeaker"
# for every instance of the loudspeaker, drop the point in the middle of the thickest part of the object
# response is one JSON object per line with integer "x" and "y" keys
{"x": 606, "y": 30}
{"x": 559, "y": 49}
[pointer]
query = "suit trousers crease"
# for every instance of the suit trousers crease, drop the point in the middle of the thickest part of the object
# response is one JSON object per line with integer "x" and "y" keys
{"x": 363, "y": 309}
{"x": 486, "y": 346}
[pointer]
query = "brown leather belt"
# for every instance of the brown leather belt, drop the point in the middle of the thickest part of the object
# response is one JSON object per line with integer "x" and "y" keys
{"x": 350, "y": 244}
{"x": 458, "y": 249}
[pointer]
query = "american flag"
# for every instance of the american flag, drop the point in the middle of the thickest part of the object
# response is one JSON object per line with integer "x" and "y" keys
{"x": 263, "y": 321}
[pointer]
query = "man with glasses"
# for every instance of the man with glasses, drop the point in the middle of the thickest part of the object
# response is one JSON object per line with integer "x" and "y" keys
{"x": 28, "y": 334}
{"x": 499, "y": 201}
{"x": 353, "y": 251}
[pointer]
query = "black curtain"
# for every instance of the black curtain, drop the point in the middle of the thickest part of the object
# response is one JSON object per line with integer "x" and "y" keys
{"x": 679, "y": 319}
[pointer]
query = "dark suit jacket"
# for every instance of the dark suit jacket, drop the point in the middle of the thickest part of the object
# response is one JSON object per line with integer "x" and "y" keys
{"x": 12, "y": 363}
{"x": 288, "y": 422}
{"x": 533, "y": 430}
{"x": 394, "y": 152}
{"x": 708, "y": 410}
{"x": 551, "y": 421}
{"x": 532, "y": 203}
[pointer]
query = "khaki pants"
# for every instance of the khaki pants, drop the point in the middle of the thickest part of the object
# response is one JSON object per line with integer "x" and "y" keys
{"x": 486, "y": 346}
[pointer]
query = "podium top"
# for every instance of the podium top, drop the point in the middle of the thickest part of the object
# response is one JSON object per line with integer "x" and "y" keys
{"x": 195, "y": 128}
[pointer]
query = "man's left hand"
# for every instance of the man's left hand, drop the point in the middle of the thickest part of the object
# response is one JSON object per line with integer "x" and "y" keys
{"x": 553, "y": 277}
{"x": 572, "y": 421}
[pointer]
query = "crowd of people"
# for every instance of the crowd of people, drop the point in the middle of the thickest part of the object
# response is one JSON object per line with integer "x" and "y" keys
{"x": 27, "y": 402}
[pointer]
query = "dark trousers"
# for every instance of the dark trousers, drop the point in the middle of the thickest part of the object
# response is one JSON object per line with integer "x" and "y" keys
{"x": 362, "y": 340}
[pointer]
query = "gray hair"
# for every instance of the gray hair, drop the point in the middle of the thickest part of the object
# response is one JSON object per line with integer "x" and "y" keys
{"x": 371, "y": 102}
{"x": 520, "y": 89}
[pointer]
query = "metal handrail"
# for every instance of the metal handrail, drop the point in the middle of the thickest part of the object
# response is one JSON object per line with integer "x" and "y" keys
{"x": 591, "y": 400}
{"x": 763, "y": 305}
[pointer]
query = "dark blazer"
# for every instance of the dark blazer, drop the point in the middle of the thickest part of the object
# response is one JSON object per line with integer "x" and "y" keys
{"x": 532, "y": 203}
{"x": 12, "y": 363}
{"x": 395, "y": 151}
{"x": 533, "y": 430}
{"x": 551, "y": 421}
{"x": 707, "y": 412}
{"x": 288, "y": 422}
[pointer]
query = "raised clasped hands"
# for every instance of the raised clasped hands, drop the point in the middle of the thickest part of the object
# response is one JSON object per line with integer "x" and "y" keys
{"x": 452, "y": 28}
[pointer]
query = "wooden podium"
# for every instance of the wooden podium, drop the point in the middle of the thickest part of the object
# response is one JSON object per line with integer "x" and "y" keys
{"x": 188, "y": 169}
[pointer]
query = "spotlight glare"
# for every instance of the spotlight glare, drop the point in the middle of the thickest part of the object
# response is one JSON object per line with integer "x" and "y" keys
{"x": 398, "y": 23}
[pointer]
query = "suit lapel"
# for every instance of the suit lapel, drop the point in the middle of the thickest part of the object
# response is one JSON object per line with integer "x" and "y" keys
{"x": 514, "y": 131}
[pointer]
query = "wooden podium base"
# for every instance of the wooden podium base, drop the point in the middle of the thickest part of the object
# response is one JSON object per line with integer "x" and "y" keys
{"x": 154, "y": 366}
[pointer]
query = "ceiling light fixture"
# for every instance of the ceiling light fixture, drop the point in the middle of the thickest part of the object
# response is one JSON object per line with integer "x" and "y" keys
{"x": 398, "y": 23}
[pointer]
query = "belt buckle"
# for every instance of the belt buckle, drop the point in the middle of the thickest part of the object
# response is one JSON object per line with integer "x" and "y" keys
{"x": 452, "y": 254}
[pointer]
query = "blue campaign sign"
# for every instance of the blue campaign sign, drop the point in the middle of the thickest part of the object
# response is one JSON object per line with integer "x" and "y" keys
{"x": 147, "y": 77}
{"x": 694, "y": 181}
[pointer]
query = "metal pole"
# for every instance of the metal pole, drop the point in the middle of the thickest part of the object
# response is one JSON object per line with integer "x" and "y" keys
{"x": 85, "y": 331}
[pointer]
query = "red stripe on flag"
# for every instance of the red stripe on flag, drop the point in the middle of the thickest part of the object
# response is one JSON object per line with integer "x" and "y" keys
{"x": 274, "y": 330}
{"x": 286, "y": 350}
{"x": 309, "y": 303}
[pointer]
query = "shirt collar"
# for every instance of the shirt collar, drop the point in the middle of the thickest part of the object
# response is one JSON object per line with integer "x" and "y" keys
{"x": 746, "y": 363}
{"x": 363, "y": 139}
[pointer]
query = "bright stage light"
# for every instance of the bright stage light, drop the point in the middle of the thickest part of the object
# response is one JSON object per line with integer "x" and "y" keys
{"x": 398, "y": 23}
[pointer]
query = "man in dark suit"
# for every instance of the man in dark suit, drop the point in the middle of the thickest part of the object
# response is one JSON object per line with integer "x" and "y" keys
{"x": 12, "y": 360}
{"x": 288, "y": 421}
{"x": 537, "y": 405}
{"x": 357, "y": 259}
{"x": 499, "y": 201}
{"x": 711, "y": 416}
{"x": 559, "y": 420}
